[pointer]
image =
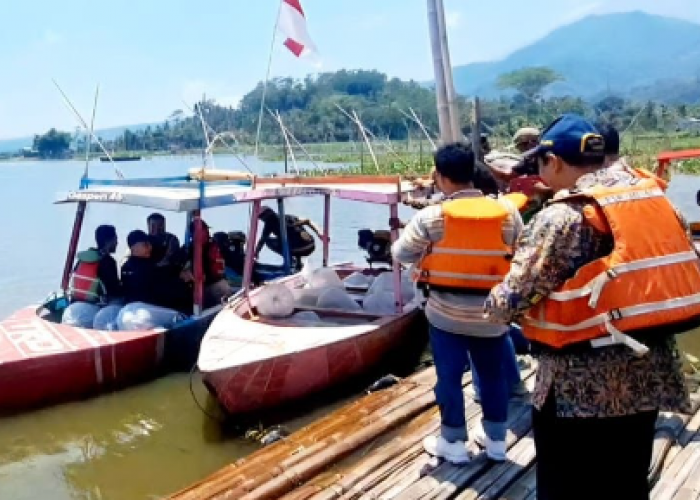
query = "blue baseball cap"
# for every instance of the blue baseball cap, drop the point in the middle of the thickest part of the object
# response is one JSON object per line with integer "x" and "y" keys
{"x": 572, "y": 137}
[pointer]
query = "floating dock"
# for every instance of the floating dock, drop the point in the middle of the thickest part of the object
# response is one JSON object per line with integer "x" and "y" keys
{"x": 372, "y": 448}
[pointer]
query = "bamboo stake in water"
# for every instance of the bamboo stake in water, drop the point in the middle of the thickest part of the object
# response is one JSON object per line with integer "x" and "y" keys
{"x": 88, "y": 140}
{"x": 417, "y": 120}
{"x": 68, "y": 102}
{"x": 356, "y": 120}
{"x": 220, "y": 137}
{"x": 296, "y": 141}
{"x": 286, "y": 140}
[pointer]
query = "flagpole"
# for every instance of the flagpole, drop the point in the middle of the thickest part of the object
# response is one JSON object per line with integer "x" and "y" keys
{"x": 267, "y": 76}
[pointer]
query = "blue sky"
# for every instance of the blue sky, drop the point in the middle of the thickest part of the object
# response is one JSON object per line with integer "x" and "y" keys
{"x": 150, "y": 55}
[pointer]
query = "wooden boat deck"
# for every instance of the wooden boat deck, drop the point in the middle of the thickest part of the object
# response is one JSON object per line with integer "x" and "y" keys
{"x": 372, "y": 448}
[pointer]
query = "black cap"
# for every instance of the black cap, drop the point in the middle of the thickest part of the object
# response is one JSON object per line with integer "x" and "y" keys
{"x": 572, "y": 137}
{"x": 136, "y": 237}
{"x": 104, "y": 234}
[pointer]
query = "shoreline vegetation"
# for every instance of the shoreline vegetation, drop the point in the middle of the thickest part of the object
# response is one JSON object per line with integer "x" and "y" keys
{"x": 408, "y": 157}
{"x": 320, "y": 112}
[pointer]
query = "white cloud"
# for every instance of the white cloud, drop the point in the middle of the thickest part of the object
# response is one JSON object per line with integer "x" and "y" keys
{"x": 453, "y": 19}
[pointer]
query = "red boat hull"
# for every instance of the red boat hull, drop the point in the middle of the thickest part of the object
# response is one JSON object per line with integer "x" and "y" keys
{"x": 274, "y": 382}
{"x": 43, "y": 363}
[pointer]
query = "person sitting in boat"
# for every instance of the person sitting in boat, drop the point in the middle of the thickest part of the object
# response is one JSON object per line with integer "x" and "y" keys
{"x": 216, "y": 287}
{"x": 164, "y": 245}
{"x": 95, "y": 279}
{"x": 301, "y": 243}
{"x": 143, "y": 281}
{"x": 232, "y": 246}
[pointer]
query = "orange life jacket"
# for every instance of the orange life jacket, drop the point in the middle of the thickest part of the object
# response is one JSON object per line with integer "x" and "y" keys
{"x": 651, "y": 278}
{"x": 641, "y": 173}
{"x": 85, "y": 285}
{"x": 471, "y": 253}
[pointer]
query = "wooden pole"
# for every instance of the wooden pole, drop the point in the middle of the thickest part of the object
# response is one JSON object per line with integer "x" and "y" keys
{"x": 476, "y": 130}
{"x": 250, "y": 246}
{"x": 326, "y": 228}
{"x": 447, "y": 68}
{"x": 198, "y": 269}
{"x": 443, "y": 110}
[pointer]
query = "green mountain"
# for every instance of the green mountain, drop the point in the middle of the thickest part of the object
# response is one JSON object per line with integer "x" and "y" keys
{"x": 633, "y": 54}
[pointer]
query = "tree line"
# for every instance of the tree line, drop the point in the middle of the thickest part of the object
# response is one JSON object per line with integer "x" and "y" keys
{"x": 310, "y": 108}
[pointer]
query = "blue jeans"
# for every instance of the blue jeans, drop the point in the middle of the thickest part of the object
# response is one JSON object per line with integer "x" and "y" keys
{"x": 515, "y": 342}
{"x": 451, "y": 353}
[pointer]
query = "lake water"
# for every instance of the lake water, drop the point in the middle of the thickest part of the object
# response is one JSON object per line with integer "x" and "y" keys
{"x": 150, "y": 440}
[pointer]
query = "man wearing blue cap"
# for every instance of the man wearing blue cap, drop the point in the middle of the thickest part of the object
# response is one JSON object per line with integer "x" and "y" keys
{"x": 600, "y": 296}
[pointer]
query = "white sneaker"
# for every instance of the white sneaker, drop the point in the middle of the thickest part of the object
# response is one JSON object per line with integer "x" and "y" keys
{"x": 456, "y": 453}
{"x": 495, "y": 450}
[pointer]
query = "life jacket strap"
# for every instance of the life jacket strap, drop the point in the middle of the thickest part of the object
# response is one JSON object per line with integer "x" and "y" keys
{"x": 607, "y": 318}
{"x": 594, "y": 288}
{"x": 425, "y": 274}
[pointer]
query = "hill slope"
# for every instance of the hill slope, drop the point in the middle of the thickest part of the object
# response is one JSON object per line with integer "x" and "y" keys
{"x": 627, "y": 53}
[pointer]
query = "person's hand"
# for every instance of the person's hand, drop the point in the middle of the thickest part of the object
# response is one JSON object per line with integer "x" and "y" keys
{"x": 395, "y": 223}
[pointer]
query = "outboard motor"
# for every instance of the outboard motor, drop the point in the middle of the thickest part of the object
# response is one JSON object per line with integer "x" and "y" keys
{"x": 377, "y": 244}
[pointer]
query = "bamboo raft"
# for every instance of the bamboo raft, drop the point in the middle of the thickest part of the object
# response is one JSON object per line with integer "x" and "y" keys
{"x": 372, "y": 448}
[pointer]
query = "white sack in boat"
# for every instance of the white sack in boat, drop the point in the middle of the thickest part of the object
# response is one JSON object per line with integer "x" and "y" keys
{"x": 379, "y": 303}
{"x": 80, "y": 314}
{"x": 385, "y": 283}
{"x": 306, "y": 316}
{"x": 274, "y": 300}
{"x": 306, "y": 297}
{"x": 141, "y": 316}
{"x": 106, "y": 318}
{"x": 337, "y": 298}
{"x": 325, "y": 277}
{"x": 357, "y": 280}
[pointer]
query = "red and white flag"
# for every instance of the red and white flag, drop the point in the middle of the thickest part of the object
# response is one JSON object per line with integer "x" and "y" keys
{"x": 292, "y": 22}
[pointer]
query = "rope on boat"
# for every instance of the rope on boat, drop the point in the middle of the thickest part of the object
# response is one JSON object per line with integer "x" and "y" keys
{"x": 196, "y": 401}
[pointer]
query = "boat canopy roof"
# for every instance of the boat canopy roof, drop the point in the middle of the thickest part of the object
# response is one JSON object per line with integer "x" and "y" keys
{"x": 183, "y": 194}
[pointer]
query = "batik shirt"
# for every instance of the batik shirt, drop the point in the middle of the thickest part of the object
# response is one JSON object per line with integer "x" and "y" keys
{"x": 605, "y": 382}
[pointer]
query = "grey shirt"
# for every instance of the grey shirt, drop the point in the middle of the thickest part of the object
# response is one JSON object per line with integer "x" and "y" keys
{"x": 453, "y": 312}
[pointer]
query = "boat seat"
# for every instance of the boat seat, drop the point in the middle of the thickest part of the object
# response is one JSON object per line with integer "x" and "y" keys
{"x": 338, "y": 312}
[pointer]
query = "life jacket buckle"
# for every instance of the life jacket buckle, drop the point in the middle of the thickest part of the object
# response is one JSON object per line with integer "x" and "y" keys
{"x": 615, "y": 314}
{"x": 612, "y": 274}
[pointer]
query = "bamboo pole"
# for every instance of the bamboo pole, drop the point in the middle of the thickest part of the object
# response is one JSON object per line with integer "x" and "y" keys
{"x": 290, "y": 150}
{"x": 447, "y": 68}
{"x": 443, "y": 110}
{"x": 313, "y": 464}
